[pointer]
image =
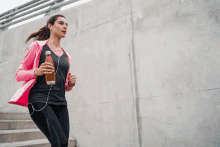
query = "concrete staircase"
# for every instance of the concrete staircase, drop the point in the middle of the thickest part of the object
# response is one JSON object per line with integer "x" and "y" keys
{"x": 19, "y": 130}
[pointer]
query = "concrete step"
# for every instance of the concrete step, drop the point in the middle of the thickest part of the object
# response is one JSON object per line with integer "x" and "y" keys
{"x": 36, "y": 143}
{"x": 7, "y": 136}
{"x": 17, "y": 124}
{"x": 14, "y": 116}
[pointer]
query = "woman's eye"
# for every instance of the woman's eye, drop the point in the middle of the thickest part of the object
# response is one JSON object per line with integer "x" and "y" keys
{"x": 63, "y": 24}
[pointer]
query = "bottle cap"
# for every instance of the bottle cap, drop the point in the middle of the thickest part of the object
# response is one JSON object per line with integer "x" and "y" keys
{"x": 47, "y": 52}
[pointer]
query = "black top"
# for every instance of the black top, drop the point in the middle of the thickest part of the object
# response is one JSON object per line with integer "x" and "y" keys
{"x": 39, "y": 92}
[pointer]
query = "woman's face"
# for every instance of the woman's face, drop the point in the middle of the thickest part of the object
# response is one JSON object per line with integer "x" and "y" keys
{"x": 59, "y": 29}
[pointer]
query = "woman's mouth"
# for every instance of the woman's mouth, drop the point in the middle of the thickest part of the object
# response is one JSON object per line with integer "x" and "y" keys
{"x": 64, "y": 32}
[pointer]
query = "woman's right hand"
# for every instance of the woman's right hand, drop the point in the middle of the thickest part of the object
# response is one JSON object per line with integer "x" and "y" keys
{"x": 45, "y": 68}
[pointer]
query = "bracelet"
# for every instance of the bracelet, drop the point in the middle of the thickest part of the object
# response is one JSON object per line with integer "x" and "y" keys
{"x": 35, "y": 73}
{"x": 71, "y": 86}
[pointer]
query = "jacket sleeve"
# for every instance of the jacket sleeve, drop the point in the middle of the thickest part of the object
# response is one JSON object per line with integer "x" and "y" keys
{"x": 25, "y": 71}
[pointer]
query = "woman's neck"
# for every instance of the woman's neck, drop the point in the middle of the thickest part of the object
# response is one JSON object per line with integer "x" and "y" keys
{"x": 54, "y": 41}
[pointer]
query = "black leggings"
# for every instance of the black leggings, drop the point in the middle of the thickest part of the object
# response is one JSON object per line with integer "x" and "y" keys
{"x": 53, "y": 121}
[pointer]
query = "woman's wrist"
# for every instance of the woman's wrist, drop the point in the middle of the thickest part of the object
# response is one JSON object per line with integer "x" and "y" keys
{"x": 71, "y": 85}
{"x": 35, "y": 72}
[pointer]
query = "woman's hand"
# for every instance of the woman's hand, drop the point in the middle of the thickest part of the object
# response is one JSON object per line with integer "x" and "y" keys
{"x": 45, "y": 68}
{"x": 71, "y": 79}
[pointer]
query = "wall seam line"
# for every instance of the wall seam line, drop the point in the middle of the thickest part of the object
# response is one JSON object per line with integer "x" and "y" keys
{"x": 135, "y": 83}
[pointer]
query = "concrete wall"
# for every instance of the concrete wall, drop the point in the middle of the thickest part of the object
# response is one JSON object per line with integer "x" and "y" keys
{"x": 146, "y": 64}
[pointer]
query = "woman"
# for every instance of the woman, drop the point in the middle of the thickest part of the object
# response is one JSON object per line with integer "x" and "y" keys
{"x": 46, "y": 103}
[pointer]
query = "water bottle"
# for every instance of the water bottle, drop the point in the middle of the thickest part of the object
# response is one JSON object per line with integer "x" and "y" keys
{"x": 50, "y": 78}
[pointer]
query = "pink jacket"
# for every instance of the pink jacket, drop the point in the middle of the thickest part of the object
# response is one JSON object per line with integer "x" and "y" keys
{"x": 26, "y": 73}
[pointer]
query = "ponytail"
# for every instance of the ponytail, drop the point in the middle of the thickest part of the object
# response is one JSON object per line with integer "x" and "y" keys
{"x": 42, "y": 34}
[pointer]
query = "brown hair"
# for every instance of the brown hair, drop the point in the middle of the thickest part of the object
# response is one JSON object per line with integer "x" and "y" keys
{"x": 44, "y": 32}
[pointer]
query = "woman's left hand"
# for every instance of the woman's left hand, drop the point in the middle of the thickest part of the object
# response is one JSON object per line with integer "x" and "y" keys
{"x": 71, "y": 79}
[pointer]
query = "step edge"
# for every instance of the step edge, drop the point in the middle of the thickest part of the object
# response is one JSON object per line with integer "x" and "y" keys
{"x": 14, "y": 120}
{"x": 19, "y": 131}
{"x": 30, "y": 142}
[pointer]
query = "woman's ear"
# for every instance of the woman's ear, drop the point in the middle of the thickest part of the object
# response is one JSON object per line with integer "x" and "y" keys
{"x": 50, "y": 26}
